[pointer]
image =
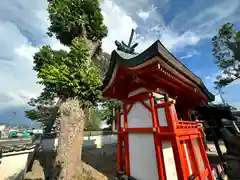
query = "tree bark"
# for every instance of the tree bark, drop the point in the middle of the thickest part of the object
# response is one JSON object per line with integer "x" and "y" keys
{"x": 68, "y": 157}
{"x": 114, "y": 120}
{"x": 87, "y": 113}
{"x": 93, "y": 45}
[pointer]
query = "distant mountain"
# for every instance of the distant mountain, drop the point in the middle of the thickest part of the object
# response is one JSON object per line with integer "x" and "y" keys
{"x": 14, "y": 115}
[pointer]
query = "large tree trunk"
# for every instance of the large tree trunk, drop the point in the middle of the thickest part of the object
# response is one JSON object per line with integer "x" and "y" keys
{"x": 68, "y": 157}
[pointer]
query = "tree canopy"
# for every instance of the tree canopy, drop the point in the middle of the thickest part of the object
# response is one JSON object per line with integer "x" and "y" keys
{"x": 76, "y": 74}
{"x": 108, "y": 106}
{"x": 71, "y": 19}
{"x": 69, "y": 74}
{"x": 42, "y": 110}
{"x": 226, "y": 50}
{"x": 93, "y": 124}
{"x": 71, "y": 77}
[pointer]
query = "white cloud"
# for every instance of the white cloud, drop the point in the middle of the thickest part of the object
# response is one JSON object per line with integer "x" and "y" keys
{"x": 26, "y": 51}
{"x": 118, "y": 22}
{"x": 180, "y": 32}
{"x": 236, "y": 105}
{"x": 204, "y": 18}
{"x": 17, "y": 76}
{"x": 144, "y": 15}
{"x": 56, "y": 45}
{"x": 214, "y": 76}
{"x": 195, "y": 22}
{"x": 23, "y": 26}
{"x": 19, "y": 33}
{"x": 190, "y": 54}
{"x": 218, "y": 100}
{"x": 151, "y": 12}
{"x": 153, "y": 29}
{"x": 236, "y": 81}
{"x": 208, "y": 77}
{"x": 18, "y": 46}
{"x": 173, "y": 41}
{"x": 17, "y": 97}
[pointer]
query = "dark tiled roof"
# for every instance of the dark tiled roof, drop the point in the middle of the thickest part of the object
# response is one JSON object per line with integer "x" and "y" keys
{"x": 16, "y": 146}
{"x": 156, "y": 49}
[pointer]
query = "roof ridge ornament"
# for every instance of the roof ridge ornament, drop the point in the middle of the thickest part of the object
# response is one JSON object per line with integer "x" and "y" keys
{"x": 127, "y": 48}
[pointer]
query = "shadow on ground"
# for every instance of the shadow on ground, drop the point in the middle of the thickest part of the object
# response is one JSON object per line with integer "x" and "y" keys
{"x": 17, "y": 176}
{"x": 102, "y": 159}
{"x": 46, "y": 160}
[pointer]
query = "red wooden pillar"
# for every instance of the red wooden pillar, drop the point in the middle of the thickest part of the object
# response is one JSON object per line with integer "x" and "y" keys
{"x": 126, "y": 140}
{"x": 119, "y": 143}
{"x": 157, "y": 140}
{"x": 177, "y": 137}
{"x": 181, "y": 172}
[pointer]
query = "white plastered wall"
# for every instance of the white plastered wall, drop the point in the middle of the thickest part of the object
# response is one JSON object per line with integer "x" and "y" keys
{"x": 143, "y": 165}
{"x": 139, "y": 117}
{"x": 198, "y": 153}
{"x": 169, "y": 160}
{"x": 188, "y": 159}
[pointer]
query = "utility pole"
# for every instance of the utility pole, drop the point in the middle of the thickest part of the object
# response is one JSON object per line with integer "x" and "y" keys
{"x": 221, "y": 95}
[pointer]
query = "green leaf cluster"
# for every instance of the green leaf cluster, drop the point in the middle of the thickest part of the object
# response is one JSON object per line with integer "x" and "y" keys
{"x": 107, "y": 108}
{"x": 226, "y": 50}
{"x": 42, "y": 112}
{"x": 76, "y": 18}
{"x": 71, "y": 74}
{"x": 93, "y": 124}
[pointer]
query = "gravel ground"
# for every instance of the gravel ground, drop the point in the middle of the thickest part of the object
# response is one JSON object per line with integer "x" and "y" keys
{"x": 36, "y": 173}
{"x": 103, "y": 160}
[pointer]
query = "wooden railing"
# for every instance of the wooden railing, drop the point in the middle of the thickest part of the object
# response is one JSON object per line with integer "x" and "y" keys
{"x": 186, "y": 124}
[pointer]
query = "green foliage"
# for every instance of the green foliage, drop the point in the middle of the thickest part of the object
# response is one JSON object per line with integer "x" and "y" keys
{"x": 76, "y": 18}
{"x": 226, "y": 50}
{"x": 79, "y": 25}
{"x": 108, "y": 107}
{"x": 33, "y": 114}
{"x": 69, "y": 74}
{"x": 42, "y": 112}
{"x": 93, "y": 124}
{"x": 102, "y": 63}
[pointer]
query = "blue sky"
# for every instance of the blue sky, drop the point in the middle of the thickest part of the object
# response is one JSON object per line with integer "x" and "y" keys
{"x": 185, "y": 27}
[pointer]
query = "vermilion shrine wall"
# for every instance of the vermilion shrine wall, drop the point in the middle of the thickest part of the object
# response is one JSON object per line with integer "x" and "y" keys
{"x": 157, "y": 145}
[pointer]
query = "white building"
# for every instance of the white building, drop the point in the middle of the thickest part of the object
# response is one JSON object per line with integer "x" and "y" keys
{"x": 2, "y": 127}
{"x": 103, "y": 124}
